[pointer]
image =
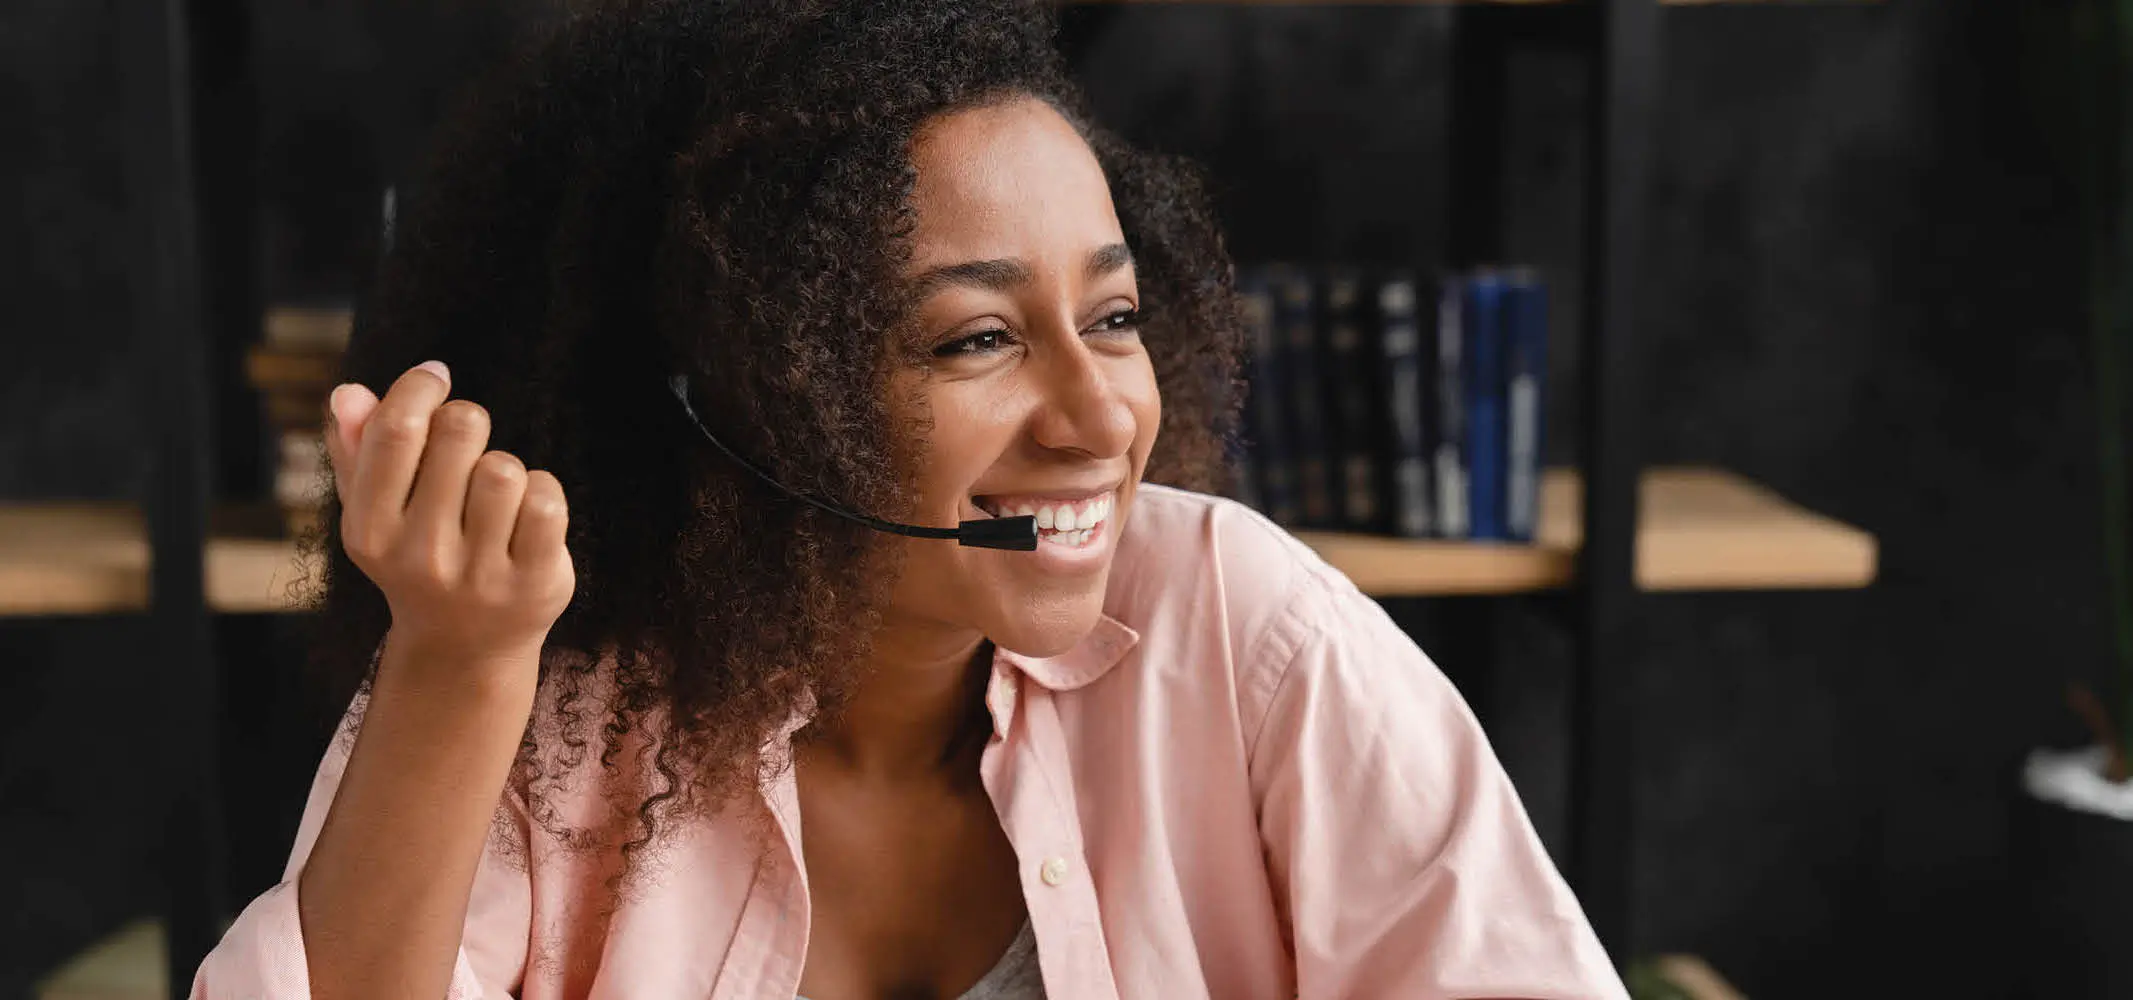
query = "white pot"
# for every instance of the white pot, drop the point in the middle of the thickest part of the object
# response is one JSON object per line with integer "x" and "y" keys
{"x": 2071, "y": 851}
{"x": 2074, "y": 779}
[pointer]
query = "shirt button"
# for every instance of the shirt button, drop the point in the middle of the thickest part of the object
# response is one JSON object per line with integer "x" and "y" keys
{"x": 1053, "y": 871}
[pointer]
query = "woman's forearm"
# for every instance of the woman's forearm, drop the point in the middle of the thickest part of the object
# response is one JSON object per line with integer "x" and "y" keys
{"x": 383, "y": 896}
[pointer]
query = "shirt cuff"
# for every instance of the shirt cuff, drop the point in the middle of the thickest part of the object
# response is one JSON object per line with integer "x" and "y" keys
{"x": 261, "y": 957}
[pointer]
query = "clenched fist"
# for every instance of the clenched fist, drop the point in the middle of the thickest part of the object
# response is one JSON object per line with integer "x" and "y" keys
{"x": 465, "y": 542}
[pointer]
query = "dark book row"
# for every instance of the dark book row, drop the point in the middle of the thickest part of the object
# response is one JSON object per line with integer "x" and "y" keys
{"x": 1383, "y": 402}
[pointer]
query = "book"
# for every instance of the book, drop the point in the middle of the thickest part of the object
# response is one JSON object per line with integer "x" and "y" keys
{"x": 1448, "y": 433}
{"x": 1525, "y": 327}
{"x": 273, "y": 369}
{"x": 1352, "y": 407}
{"x": 1263, "y": 423}
{"x": 1297, "y": 341}
{"x": 308, "y": 328}
{"x": 1482, "y": 317}
{"x": 297, "y": 477}
{"x": 1403, "y": 449}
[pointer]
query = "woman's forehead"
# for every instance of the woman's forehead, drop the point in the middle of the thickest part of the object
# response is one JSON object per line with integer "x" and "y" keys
{"x": 1008, "y": 180}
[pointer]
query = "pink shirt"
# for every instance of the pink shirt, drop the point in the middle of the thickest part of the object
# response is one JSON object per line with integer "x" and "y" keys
{"x": 1245, "y": 782}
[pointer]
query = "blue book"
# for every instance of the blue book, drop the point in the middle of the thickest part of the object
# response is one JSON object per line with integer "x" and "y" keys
{"x": 1296, "y": 335}
{"x": 1448, "y": 431}
{"x": 1263, "y": 424}
{"x": 1403, "y": 458}
{"x": 1487, "y": 449}
{"x": 1526, "y": 365}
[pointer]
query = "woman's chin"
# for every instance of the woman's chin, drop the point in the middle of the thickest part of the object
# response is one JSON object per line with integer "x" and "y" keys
{"x": 1049, "y": 629}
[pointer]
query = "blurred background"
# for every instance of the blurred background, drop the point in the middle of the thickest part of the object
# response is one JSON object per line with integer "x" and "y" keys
{"x": 1859, "y": 336}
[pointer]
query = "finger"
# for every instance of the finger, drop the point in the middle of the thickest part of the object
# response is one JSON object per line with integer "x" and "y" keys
{"x": 494, "y": 493}
{"x": 542, "y": 517}
{"x": 346, "y": 410}
{"x": 392, "y": 442}
{"x": 459, "y": 433}
{"x": 357, "y": 405}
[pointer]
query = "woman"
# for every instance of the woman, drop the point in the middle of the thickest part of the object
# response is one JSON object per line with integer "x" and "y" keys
{"x": 698, "y": 738}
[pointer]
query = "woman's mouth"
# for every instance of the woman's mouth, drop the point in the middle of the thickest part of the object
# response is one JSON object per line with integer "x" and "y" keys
{"x": 1069, "y": 523}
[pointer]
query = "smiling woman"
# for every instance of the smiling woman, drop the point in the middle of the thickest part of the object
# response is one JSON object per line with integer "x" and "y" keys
{"x": 1037, "y": 388}
{"x": 630, "y": 719}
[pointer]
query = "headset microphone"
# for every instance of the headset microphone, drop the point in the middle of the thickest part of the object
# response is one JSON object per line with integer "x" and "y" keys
{"x": 1014, "y": 533}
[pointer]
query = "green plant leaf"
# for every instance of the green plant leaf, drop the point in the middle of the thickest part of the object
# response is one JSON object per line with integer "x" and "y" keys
{"x": 1646, "y": 982}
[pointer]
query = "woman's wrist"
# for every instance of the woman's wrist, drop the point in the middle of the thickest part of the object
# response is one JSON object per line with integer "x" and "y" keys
{"x": 435, "y": 670}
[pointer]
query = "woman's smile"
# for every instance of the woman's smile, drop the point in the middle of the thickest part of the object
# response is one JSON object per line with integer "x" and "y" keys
{"x": 1074, "y": 527}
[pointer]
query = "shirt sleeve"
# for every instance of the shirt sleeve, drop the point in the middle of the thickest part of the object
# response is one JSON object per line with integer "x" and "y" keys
{"x": 1399, "y": 851}
{"x": 261, "y": 957}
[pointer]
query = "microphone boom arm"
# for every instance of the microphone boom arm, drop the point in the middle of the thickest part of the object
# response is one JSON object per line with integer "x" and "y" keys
{"x": 1012, "y": 533}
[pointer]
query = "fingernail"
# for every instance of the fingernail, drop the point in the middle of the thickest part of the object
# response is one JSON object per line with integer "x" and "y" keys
{"x": 333, "y": 403}
{"x": 438, "y": 369}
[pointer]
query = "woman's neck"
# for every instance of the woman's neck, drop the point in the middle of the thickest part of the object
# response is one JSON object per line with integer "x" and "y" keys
{"x": 917, "y": 712}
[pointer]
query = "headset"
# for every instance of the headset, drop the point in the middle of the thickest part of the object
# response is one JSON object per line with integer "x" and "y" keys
{"x": 1017, "y": 534}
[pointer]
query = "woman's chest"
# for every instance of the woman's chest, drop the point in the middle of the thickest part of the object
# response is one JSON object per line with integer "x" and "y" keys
{"x": 910, "y": 895}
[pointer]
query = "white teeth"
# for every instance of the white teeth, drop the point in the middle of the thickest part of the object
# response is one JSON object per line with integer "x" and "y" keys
{"x": 1070, "y": 524}
{"x": 1078, "y": 538}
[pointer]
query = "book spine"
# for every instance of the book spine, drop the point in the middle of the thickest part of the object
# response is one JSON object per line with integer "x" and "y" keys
{"x": 1448, "y": 433}
{"x": 1263, "y": 423}
{"x": 1403, "y": 460}
{"x": 1526, "y": 329}
{"x": 1351, "y": 403}
{"x": 1296, "y": 325}
{"x": 1486, "y": 451}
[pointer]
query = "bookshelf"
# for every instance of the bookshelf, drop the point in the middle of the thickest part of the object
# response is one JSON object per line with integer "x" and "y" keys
{"x": 1699, "y": 529}
{"x": 1702, "y": 529}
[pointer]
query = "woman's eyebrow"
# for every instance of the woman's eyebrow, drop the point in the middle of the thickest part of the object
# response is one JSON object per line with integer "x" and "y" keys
{"x": 1106, "y": 259}
{"x": 991, "y": 275}
{"x": 1005, "y": 273}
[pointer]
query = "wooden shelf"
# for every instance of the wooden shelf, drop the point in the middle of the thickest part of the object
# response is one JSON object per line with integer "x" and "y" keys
{"x": 1700, "y": 529}
{"x": 1703, "y": 529}
{"x": 91, "y": 558}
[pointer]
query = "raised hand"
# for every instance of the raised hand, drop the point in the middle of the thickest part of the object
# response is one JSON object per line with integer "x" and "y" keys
{"x": 466, "y": 543}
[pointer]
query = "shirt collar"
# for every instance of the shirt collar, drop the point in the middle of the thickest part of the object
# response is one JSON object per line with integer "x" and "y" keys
{"x": 1089, "y": 659}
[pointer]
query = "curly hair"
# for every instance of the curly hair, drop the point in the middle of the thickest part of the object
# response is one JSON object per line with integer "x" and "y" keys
{"x": 722, "y": 190}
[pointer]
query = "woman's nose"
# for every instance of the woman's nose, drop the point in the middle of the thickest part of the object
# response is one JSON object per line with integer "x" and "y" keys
{"x": 1081, "y": 406}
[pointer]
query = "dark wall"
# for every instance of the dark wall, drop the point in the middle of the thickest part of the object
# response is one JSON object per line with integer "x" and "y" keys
{"x": 65, "y": 427}
{"x": 1860, "y": 290}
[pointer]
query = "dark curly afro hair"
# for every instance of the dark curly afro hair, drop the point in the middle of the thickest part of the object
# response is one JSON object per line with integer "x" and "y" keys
{"x": 721, "y": 189}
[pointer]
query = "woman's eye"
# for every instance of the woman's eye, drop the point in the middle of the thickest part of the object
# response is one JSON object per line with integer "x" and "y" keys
{"x": 1122, "y": 321}
{"x": 977, "y": 343}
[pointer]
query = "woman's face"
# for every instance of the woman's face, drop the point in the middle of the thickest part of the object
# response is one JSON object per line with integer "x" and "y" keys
{"x": 1039, "y": 395}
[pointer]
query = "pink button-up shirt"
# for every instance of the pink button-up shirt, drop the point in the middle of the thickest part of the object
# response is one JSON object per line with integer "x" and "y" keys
{"x": 1244, "y": 782}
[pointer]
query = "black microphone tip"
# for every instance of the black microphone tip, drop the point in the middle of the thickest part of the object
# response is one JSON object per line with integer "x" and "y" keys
{"x": 1018, "y": 534}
